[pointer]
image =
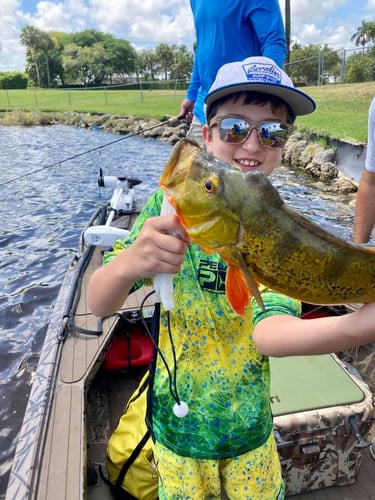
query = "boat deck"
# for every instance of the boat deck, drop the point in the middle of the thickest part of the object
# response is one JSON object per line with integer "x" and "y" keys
{"x": 362, "y": 489}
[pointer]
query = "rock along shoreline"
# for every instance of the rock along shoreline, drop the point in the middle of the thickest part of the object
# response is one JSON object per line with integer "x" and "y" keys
{"x": 301, "y": 152}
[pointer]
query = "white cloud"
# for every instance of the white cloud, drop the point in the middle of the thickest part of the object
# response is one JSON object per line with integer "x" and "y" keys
{"x": 142, "y": 22}
{"x": 146, "y": 23}
{"x": 11, "y": 52}
{"x": 150, "y": 22}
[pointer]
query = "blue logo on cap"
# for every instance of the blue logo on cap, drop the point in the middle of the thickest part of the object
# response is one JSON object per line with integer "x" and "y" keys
{"x": 262, "y": 73}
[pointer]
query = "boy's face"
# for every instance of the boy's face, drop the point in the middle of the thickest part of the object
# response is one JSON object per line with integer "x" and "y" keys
{"x": 250, "y": 154}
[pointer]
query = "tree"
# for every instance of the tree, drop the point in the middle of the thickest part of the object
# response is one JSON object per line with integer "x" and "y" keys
{"x": 121, "y": 57}
{"x": 182, "y": 64}
{"x": 148, "y": 64}
{"x": 313, "y": 63}
{"x": 164, "y": 55}
{"x": 85, "y": 65}
{"x": 360, "y": 67}
{"x": 42, "y": 56}
{"x": 87, "y": 38}
{"x": 32, "y": 38}
{"x": 364, "y": 34}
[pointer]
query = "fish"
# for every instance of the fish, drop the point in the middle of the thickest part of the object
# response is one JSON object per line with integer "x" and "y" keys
{"x": 242, "y": 217}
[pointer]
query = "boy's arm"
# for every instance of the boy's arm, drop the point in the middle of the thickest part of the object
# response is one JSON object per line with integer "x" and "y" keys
{"x": 283, "y": 335}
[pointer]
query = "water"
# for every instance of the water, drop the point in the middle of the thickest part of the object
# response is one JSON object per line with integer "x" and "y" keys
{"x": 41, "y": 219}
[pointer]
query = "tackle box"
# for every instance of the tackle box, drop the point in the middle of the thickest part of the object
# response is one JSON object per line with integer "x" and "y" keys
{"x": 323, "y": 413}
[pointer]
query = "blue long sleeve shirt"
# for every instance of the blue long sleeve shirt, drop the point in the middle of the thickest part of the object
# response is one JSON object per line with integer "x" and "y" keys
{"x": 231, "y": 30}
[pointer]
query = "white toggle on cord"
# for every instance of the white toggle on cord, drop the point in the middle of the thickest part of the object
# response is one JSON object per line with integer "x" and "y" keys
{"x": 163, "y": 282}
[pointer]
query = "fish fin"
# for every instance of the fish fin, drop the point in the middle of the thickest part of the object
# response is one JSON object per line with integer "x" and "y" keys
{"x": 180, "y": 156}
{"x": 240, "y": 286}
{"x": 237, "y": 289}
{"x": 253, "y": 285}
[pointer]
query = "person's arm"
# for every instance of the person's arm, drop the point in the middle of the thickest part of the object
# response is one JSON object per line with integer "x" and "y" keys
{"x": 269, "y": 28}
{"x": 187, "y": 105}
{"x": 283, "y": 335}
{"x": 154, "y": 251}
{"x": 364, "y": 219}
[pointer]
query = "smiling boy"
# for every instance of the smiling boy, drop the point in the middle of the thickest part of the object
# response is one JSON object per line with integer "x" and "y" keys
{"x": 215, "y": 360}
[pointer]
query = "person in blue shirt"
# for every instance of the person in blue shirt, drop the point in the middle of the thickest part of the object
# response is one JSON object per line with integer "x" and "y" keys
{"x": 226, "y": 31}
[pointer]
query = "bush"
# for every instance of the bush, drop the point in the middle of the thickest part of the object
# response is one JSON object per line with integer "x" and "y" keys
{"x": 360, "y": 68}
{"x": 13, "y": 80}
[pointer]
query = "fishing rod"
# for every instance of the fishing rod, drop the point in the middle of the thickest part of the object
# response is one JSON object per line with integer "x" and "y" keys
{"x": 173, "y": 119}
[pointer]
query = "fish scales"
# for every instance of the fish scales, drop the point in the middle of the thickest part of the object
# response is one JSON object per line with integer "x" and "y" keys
{"x": 241, "y": 216}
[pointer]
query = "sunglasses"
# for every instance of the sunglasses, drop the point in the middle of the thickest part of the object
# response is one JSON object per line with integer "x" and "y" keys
{"x": 235, "y": 129}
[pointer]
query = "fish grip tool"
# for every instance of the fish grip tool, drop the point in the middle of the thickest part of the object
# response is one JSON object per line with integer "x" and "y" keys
{"x": 163, "y": 282}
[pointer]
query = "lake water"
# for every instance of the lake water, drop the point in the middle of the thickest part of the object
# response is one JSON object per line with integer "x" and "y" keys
{"x": 41, "y": 219}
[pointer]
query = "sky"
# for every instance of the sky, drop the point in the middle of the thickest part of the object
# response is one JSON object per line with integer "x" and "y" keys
{"x": 147, "y": 23}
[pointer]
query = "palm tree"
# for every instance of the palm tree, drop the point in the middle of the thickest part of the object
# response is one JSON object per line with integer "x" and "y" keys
{"x": 32, "y": 39}
{"x": 362, "y": 36}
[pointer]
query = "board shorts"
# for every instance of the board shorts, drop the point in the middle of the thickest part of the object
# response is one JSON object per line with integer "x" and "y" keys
{"x": 255, "y": 475}
{"x": 195, "y": 132}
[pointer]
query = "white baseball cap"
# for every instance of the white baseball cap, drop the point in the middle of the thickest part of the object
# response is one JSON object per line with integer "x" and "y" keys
{"x": 258, "y": 74}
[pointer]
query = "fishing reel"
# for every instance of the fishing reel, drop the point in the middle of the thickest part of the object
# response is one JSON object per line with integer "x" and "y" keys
{"x": 122, "y": 203}
{"x": 123, "y": 198}
{"x": 114, "y": 182}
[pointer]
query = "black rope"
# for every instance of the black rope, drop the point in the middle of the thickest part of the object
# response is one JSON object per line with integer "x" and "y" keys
{"x": 172, "y": 378}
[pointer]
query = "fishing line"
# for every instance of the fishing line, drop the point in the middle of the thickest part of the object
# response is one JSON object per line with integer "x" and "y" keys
{"x": 170, "y": 120}
{"x": 180, "y": 408}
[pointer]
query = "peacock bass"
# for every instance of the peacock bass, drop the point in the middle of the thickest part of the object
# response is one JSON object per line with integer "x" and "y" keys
{"x": 241, "y": 216}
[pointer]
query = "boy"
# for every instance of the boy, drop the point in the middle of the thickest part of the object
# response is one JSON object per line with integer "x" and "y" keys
{"x": 216, "y": 361}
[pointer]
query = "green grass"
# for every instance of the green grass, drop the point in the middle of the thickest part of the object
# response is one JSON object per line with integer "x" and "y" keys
{"x": 155, "y": 103}
{"x": 341, "y": 113}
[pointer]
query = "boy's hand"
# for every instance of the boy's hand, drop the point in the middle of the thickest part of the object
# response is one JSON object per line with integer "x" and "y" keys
{"x": 160, "y": 247}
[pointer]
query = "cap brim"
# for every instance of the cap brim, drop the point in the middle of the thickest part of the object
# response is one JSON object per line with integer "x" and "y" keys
{"x": 299, "y": 102}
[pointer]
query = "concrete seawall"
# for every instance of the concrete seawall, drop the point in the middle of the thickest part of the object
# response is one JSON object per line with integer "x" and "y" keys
{"x": 350, "y": 159}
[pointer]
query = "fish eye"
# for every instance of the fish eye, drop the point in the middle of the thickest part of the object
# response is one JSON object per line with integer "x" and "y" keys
{"x": 210, "y": 185}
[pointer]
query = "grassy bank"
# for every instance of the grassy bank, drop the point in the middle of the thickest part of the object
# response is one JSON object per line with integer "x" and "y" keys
{"x": 341, "y": 109}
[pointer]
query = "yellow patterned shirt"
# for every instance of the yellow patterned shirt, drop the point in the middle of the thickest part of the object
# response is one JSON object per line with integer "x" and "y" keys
{"x": 218, "y": 370}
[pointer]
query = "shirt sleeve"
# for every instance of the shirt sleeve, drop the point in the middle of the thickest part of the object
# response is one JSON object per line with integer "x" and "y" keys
{"x": 268, "y": 25}
{"x": 194, "y": 83}
{"x": 275, "y": 303}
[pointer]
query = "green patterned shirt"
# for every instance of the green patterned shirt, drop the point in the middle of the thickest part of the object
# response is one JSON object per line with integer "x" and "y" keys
{"x": 220, "y": 373}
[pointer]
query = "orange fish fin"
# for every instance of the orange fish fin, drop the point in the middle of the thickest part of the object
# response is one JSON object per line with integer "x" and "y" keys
{"x": 240, "y": 286}
{"x": 237, "y": 289}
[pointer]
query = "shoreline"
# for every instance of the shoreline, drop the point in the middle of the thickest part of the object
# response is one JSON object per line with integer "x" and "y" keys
{"x": 337, "y": 167}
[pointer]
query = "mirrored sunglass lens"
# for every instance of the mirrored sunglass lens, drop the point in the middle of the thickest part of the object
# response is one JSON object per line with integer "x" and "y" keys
{"x": 233, "y": 129}
{"x": 273, "y": 134}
